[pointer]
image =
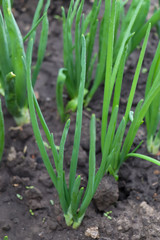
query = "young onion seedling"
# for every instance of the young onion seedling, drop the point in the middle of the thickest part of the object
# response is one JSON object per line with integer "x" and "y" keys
{"x": 72, "y": 200}
{"x": 13, "y": 63}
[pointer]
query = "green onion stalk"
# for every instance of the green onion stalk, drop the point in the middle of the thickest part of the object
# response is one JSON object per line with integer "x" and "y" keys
{"x": 10, "y": 1}
{"x": 13, "y": 63}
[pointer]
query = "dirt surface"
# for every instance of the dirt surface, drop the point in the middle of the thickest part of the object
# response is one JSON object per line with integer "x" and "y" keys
{"x": 29, "y": 205}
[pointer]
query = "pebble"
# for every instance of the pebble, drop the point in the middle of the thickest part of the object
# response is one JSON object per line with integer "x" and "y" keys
{"x": 144, "y": 208}
{"x": 52, "y": 224}
{"x": 92, "y": 232}
{"x": 33, "y": 193}
{"x": 6, "y": 226}
{"x": 124, "y": 224}
{"x": 46, "y": 180}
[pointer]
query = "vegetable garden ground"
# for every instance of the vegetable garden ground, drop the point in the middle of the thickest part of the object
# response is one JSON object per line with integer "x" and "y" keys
{"x": 29, "y": 205}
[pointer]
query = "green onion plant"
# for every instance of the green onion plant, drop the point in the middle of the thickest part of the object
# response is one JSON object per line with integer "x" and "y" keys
{"x": 13, "y": 58}
{"x": 114, "y": 143}
{"x": 73, "y": 198}
{"x": 70, "y": 75}
{"x": 133, "y": 22}
{"x": 1, "y": 132}
{"x": 152, "y": 117}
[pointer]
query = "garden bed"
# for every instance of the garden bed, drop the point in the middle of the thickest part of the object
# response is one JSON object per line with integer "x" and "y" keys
{"x": 29, "y": 204}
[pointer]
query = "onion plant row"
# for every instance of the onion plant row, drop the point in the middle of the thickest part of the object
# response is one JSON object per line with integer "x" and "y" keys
{"x": 116, "y": 148}
{"x": 13, "y": 63}
{"x": 133, "y": 22}
{"x": 116, "y": 138}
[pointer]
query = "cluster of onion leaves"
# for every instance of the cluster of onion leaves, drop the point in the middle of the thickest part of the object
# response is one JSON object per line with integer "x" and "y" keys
{"x": 1, "y": 132}
{"x": 129, "y": 27}
{"x": 114, "y": 143}
{"x": 152, "y": 117}
{"x": 70, "y": 75}
{"x": 134, "y": 21}
{"x": 73, "y": 199}
{"x": 13, "y": 63}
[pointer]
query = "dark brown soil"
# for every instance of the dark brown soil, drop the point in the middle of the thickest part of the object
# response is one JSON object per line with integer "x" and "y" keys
{"x": 134, "y": 200}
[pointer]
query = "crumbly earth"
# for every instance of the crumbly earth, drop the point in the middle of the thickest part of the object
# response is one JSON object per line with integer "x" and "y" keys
{"x": 29, "y": 205}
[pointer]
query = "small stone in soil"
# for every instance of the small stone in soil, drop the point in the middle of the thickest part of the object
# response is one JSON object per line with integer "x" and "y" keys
{"x": 52, "y": 224}
{"x": 45, "y": 180}
{"x": 6, "y": 226}
{"x": 33, "y": 193}
{"x": 124, "y": 224}
{"x": 16, "y": 220}
{"x": 92, "y": 232}
{"x": 144, "y": 208}
{"x": 35, "y": 204}
{"x": 12, "y": 154}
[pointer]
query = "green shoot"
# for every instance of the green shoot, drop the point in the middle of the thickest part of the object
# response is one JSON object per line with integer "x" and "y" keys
{"x": 5, "y": 238}
{"x": 13, "y": 63}
{"x": 20, "y": 197}
{"x": 107, "y": 214}
{"x": 31, "y": 212}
